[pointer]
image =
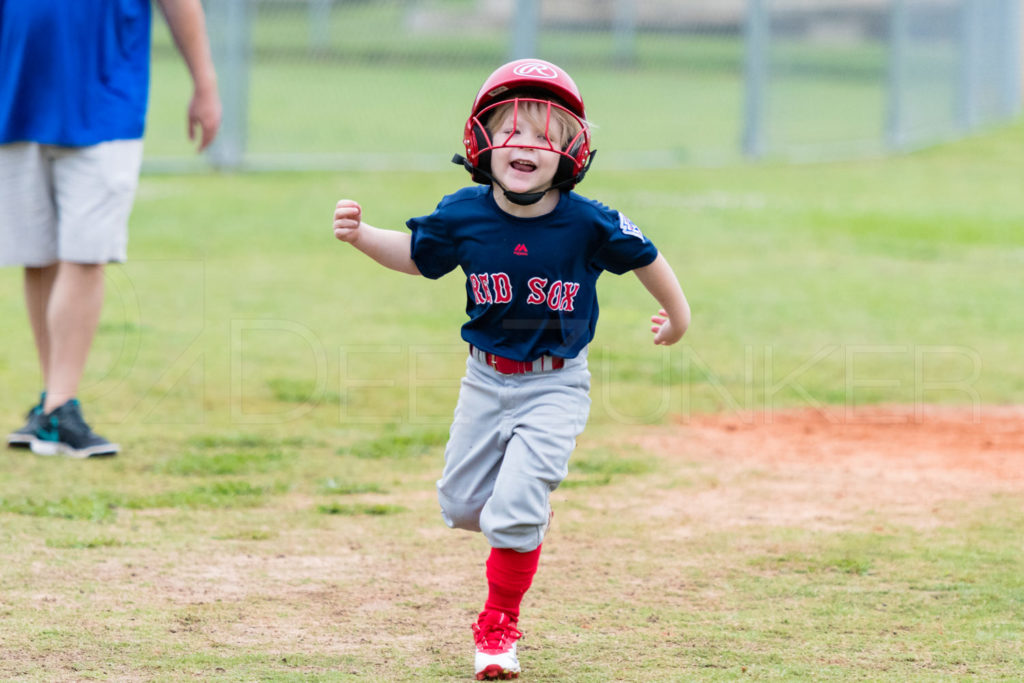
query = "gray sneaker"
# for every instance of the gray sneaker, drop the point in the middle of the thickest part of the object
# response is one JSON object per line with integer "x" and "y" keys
{"x": 23, "y": 437}
{"x": 65, "y": 432}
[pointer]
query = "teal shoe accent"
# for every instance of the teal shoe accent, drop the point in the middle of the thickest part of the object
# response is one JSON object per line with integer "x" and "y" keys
{"x": 48, "y": 434}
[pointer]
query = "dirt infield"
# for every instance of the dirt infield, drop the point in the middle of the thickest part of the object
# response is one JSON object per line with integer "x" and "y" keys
{"x": 820, "y": 469}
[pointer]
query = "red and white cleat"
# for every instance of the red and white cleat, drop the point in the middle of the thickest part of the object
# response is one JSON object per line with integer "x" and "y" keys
{"x": 496, "y": 637}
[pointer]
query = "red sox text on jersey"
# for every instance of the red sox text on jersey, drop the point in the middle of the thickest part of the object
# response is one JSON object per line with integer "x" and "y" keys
{"x": 496, "y": 288}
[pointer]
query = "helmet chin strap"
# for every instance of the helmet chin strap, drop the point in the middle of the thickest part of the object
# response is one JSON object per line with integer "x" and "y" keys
{"x": 522, "y": 198}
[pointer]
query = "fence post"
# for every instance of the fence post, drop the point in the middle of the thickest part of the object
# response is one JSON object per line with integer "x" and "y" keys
{"x": 895, "y": 118}
{"x": 755, "y": 72}
{"x": 229, "y": 28}
{"x": 525, "y": 23}
{"x": 624, "y": 32}
{"x": 967, "y": 89}
{"x": 319, "y": 16}
{"x": 1013, "y": 67}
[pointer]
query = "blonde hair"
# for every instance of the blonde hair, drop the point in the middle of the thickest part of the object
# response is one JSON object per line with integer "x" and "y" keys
{"x": 536, "y": 112}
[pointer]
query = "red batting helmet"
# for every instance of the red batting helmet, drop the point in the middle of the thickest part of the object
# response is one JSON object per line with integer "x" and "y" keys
{"x": 529, "y": 79}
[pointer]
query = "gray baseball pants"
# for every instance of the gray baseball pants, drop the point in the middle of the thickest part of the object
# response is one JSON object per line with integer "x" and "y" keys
{"x": 509, "y": 448}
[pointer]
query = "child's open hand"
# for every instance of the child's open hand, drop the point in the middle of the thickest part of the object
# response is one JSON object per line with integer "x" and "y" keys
{"x": 348, "y": 215}
{"x": 664, "y": 332}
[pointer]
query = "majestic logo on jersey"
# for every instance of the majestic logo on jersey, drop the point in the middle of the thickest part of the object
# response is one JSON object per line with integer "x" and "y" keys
{"x": 629, "y": 227}
{"x": 496, "y": 288}
{"x": 535, "y": 70}
{"x": 521, "y": 250}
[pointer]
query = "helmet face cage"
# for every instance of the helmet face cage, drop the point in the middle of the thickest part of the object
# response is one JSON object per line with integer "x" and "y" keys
{"x": 479, "y": 142}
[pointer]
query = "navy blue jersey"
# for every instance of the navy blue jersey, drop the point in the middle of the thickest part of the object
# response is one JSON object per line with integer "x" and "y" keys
{"x": 531, "y": 283}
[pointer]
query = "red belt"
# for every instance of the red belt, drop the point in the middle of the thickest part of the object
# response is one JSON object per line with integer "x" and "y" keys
{"x": 507, "y": 366}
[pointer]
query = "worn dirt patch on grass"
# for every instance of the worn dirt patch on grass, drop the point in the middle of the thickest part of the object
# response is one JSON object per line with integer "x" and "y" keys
{"x": 822, "y": 469}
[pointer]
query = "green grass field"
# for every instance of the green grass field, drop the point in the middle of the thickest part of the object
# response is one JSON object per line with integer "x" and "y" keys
{"x": 283, "y": 404}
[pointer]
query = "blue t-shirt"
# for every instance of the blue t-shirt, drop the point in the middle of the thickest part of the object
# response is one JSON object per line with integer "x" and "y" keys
{"x": 531, "y": 283}
{"x": 73, "y": 72}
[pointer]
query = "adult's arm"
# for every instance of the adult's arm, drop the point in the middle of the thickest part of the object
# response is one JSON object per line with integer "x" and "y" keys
{"x": 188, "y": 28}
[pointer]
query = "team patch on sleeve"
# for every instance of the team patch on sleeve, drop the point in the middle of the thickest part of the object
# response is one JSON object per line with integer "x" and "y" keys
{"x": 629, "y": 227}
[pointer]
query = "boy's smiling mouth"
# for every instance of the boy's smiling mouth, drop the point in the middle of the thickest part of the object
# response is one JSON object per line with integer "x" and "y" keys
{"x": 523, "y": 165}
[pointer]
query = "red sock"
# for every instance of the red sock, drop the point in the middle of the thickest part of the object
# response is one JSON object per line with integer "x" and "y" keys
{"x": 509, "y": 575}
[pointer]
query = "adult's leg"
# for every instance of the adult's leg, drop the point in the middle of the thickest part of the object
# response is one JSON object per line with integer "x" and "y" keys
{"x": 38, "y": 286}
{"x": 72, "y": 314}
{"x": 94, "y": 188}
{"x": 28, "y": 231}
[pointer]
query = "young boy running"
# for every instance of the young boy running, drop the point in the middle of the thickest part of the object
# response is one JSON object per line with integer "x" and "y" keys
{"x": 531, "y": 250}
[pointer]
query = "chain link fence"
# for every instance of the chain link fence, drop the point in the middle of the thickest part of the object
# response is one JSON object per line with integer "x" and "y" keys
{"x": 361, "y": 84}
{"x": 839, "y": 78}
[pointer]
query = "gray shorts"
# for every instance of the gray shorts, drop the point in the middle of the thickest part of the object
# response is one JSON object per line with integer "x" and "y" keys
{"x": 509, "y": 449}
{"x": 66, "y": 203}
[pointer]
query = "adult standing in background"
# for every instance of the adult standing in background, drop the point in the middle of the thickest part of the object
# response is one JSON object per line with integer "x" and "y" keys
{"x": 74, "y": 85}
